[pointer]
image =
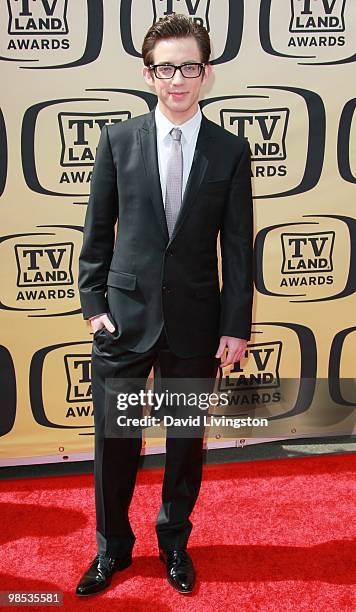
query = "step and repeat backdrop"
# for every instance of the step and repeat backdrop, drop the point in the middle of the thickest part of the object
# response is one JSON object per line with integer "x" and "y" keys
{"x": 284, "y": 77}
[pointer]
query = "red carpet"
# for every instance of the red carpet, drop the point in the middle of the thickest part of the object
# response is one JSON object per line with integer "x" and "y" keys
{"x": 268, "y": 535}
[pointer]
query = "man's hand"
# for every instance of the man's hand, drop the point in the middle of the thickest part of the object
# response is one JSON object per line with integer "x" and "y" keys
{"x": 236, "y": 349}
{"x": 100, "y": 321}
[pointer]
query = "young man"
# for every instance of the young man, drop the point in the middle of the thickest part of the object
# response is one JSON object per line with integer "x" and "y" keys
{"x": 173, "y": 180}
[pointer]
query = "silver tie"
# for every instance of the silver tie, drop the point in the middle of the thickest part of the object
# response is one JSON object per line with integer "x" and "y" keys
{"x": 173, "y": 200}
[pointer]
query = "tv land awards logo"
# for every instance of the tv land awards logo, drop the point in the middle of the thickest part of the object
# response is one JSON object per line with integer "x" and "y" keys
{"x": 73, "y": 128}
{"x": 38, "y": 16}
{"x": 78, "y": 372}
{"x": 44, "y": 271}
{"x": 266, "y": 131}
{"x": 260, "y": 374}
{"x": 222, "y": 18}
{"x": 266, "y": 379}
{"x": 41, "y": 32}
{"x": 312, "y": 31}
{"x": 68, "y": 367}
{"x": 307, "y": 254}
{"x": 44, "y": 265}
{"x": 317, "y": 16}
{"x": 315, "y": 264}
{"x": 80, "y": 133}
{"x": 285, "y": 127}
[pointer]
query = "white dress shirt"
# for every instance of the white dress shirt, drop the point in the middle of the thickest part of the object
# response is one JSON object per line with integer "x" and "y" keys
{"x": 190, "y": 130}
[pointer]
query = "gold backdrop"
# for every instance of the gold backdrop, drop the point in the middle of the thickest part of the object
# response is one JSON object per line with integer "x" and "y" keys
{"x": 284, "y": 73}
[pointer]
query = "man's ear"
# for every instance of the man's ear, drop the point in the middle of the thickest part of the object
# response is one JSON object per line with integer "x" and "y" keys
{"x": 148, "y": 76}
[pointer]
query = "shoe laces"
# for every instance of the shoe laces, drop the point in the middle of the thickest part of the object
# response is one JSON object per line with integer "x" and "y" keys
{"x": 178, "y": 556}
{"x": 104, "y": 560}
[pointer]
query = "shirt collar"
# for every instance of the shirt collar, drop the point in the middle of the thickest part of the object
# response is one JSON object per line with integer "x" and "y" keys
{"x": 164, "y": 125}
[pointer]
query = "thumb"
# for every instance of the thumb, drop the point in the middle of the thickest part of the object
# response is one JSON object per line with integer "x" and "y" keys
{"x": 109, "y": 326}
{"x": 221, "y": 347}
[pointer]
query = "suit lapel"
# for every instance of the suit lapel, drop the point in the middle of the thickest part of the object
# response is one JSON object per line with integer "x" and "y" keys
{"x": 150, "y": 159}
{"x": 196, "y": 176}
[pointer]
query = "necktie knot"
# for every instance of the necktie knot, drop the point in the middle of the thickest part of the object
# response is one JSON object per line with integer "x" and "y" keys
{"x": 176, "y": 134}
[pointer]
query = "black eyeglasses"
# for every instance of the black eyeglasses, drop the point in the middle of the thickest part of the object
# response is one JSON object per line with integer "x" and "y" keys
{"x": 167, "y": 71}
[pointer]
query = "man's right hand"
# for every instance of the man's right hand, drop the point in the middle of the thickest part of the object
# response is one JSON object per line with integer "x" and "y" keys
{"x": 100, "y": 321}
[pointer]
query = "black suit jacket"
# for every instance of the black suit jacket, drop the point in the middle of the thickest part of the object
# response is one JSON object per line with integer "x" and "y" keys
{"x": 142, "y": 278}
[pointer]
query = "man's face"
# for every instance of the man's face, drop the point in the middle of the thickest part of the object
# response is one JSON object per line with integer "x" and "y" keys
{"x": 178, "y": 97}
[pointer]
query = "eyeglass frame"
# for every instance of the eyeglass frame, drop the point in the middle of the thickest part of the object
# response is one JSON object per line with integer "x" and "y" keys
{"x": 201, "y": 64}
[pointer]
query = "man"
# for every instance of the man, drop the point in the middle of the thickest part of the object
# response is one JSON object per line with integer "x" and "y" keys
{"x": 173, "y": 180}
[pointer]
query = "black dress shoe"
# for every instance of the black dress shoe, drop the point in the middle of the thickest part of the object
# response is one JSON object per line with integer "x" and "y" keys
{"x": 180, "y": 569}
{"x": 98, "y": 575}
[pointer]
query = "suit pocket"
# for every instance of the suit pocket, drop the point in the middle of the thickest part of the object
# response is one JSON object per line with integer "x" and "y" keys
{"x": 121, "y": 280}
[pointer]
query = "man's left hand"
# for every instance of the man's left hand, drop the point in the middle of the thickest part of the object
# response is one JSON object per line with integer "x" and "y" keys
{"x": 236, "y": 349}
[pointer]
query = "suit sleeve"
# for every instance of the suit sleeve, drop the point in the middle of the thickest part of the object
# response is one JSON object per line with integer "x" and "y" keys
{"x": 236, "y": 242}
{"x": 99, "y": 232}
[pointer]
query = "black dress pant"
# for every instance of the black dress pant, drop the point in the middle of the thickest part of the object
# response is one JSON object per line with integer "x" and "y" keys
{"x": 117, "y": 458}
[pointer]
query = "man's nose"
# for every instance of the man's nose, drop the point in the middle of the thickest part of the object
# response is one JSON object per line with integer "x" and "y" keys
{"x": 178, "y": 78}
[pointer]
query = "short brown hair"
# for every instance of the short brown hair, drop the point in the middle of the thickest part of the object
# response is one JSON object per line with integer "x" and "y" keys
{"x": 175, "y": 26}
